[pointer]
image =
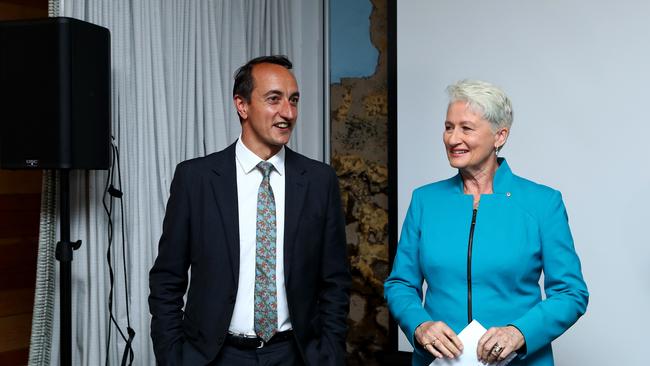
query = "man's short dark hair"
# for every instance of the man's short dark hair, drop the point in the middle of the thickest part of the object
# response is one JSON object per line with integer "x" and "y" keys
{"x": 244, "y": 76}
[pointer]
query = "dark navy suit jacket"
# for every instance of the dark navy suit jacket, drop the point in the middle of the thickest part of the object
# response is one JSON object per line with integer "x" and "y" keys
{"x": 201, "y": 233}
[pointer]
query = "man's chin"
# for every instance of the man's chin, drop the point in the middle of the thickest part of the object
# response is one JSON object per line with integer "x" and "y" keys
{"x": 283, "y": 137}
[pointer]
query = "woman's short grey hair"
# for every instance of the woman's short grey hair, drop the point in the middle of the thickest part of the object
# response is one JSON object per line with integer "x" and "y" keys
{"x": 485, "y": 99}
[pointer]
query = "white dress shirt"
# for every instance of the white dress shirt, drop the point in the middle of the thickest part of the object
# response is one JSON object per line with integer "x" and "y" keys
{"x": 248, "y": 184}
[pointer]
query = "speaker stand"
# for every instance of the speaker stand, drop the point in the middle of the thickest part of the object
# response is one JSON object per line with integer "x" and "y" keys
{"x": 64, "y": 254}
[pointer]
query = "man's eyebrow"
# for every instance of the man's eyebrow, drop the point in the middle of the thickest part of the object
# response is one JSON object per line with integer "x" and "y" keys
{"x": 279, "y": 92}
{"x": 273, "y": 91}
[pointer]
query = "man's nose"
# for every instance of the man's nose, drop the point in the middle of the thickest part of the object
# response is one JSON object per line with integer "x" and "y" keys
{"x": 288, "y": 110}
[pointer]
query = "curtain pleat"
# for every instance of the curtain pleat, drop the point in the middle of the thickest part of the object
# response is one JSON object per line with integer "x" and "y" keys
{"x": 172, "y": 70}
{"x": 43, "y": 313}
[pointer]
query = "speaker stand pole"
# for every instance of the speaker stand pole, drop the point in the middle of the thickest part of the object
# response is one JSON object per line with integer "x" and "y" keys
{"x": 64, "y": 250}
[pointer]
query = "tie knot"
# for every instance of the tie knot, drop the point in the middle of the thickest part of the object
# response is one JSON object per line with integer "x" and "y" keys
{"x": 265, "y": 167}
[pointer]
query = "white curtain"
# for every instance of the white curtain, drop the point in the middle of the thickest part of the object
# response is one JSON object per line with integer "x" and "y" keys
{"x": 172, "y": 72}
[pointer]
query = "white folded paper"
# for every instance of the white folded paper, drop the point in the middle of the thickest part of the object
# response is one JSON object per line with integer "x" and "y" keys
{"x": 470, "y": 337}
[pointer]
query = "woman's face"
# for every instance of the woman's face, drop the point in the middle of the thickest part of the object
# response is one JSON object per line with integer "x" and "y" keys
{"x": 469, "y": 139}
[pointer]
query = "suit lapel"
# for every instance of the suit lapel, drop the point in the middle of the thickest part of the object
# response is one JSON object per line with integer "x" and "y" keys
{"x": 224, "y": 188}
{"x": 296, "y": 185}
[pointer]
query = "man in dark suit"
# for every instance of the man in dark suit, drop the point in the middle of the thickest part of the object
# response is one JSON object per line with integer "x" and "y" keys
{"x": 262, "y": 231}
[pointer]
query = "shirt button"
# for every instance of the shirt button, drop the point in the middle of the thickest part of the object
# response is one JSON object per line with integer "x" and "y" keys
{"x": 508, "y": 194}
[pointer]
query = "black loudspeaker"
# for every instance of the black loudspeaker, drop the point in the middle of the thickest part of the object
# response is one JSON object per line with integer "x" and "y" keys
{"x": 54, "y": 94}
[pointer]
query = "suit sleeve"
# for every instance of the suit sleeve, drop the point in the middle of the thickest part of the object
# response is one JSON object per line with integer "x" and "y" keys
{"x": 334, "y": 298}
{"x": 168, "y": 277}
{"x": 403, "y": 287}
{"x": 566, "y": 291}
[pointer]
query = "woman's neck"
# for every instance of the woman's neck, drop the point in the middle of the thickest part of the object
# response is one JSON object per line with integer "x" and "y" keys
{"x": 479, "y": 181}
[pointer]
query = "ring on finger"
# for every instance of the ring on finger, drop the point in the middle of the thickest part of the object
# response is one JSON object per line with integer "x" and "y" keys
{"x": 433, "y": 342}
{"x": 496, "y": 349}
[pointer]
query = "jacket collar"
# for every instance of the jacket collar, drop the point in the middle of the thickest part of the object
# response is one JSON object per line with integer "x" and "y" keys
{"x": 224, "y": 188}
{"x": 296, "y": 186}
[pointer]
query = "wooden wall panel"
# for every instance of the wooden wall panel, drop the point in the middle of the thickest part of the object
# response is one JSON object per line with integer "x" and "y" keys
{"x": 15, "y": 302}
{"x": 23, "y": 9}
{"x": 14, "y": 357}
{"x": 16, "y": 331}
{"x": 18, "y": 265}
{"x": 19, "y": 225}
{"x": 20, "y": 181}
{"x": 19, "y": 215}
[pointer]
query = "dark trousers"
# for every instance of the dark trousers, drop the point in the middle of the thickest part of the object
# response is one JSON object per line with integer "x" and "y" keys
{"x": 284, "y": 353}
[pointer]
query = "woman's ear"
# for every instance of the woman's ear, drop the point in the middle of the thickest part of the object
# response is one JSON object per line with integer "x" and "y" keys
{"x": 501, "y": 137}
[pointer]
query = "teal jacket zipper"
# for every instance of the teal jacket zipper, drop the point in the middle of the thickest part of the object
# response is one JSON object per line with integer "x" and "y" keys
{"x": 469, "y": 266}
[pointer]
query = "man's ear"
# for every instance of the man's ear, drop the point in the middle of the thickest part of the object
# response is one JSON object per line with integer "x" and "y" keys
{"x": 242, "y": 106}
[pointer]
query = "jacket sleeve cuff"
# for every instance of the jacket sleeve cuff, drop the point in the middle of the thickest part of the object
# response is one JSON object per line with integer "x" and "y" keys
{"x": 531, "y": 342}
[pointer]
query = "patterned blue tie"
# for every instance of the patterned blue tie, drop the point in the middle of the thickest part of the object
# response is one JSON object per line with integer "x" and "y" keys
{"x": 266, "y": 312}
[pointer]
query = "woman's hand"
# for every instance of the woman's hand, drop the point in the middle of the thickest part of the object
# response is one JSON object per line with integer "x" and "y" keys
{"x": 498, "y": 343}
{"x": 438, "y": 339}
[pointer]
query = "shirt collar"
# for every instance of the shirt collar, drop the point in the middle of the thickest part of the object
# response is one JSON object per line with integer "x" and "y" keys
{"x": 248, "y": 161}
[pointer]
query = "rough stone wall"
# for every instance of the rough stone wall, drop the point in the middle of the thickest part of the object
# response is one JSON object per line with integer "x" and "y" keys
{"x": 359, "y": 117}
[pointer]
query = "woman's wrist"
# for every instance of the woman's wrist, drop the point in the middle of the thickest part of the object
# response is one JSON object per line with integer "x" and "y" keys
{"x": 520, "y": 340}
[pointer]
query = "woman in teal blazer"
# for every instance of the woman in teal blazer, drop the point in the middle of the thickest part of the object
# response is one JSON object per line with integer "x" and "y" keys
{"x": 481, "y": 240}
